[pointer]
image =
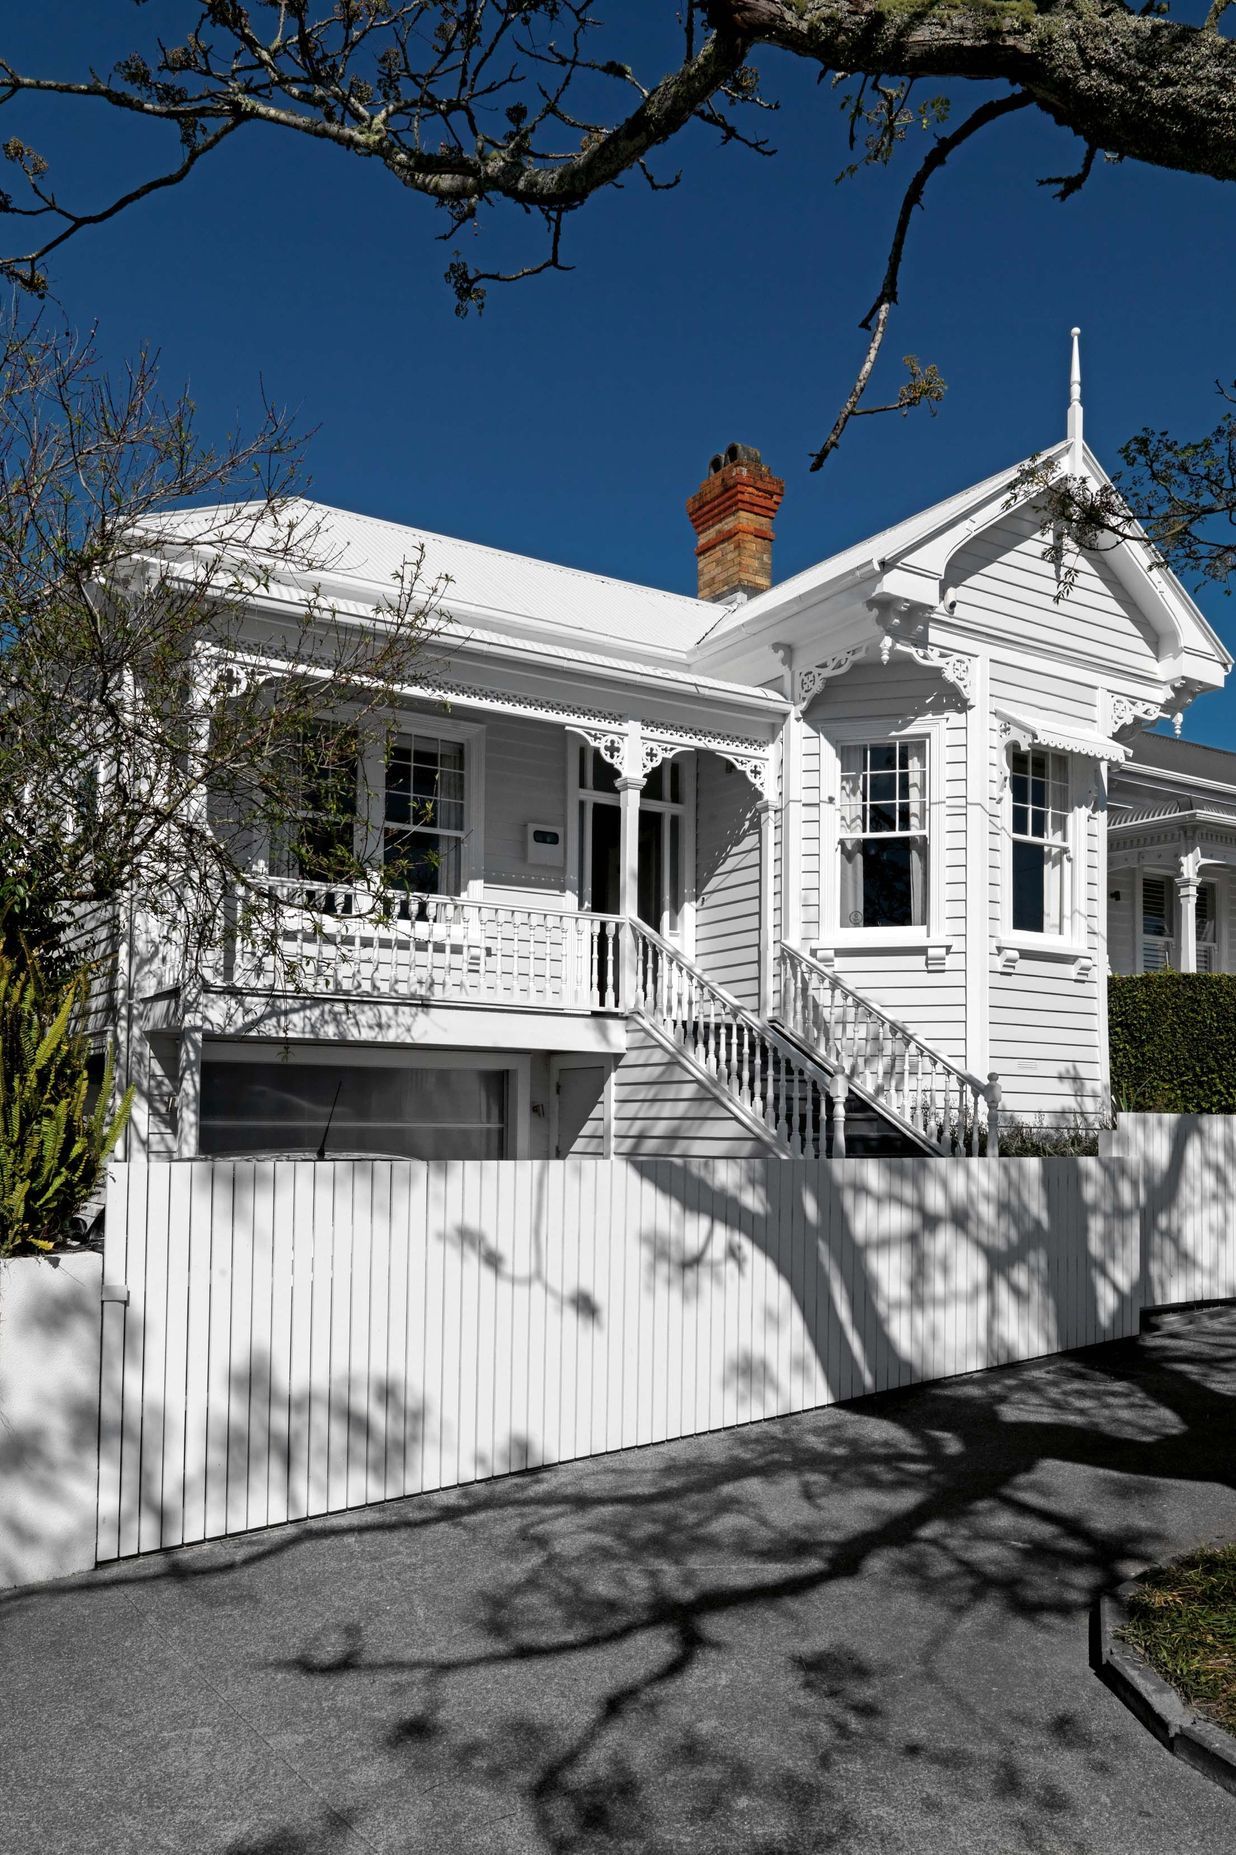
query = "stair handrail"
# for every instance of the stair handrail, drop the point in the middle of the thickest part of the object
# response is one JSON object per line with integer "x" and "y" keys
{"x": 951, "y": 1117}
{"x": 669, "y": 988}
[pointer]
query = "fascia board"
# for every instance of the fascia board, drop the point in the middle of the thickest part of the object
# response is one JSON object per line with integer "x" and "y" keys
{"x": 677, "y": 683}
{"x": 1155, "y": 775}
{"x": 807, "y": 619}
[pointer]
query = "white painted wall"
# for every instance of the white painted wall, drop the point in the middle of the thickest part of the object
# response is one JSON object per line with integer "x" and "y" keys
{"x": 1003, "y": 575}
{"x": 727, "y": 912}
{"x": 49, "y": 1415}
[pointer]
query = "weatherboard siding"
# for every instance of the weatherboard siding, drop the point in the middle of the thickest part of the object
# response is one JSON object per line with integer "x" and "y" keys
{"x": 727, "y": 850}
{"x": 1003, "y": 575}
{"x": 525, "y": 783}
{"x": 661, "y": 1109}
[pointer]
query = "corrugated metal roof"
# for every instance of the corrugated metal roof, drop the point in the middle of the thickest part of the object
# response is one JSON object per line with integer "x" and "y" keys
{"x": 1189, "y": 759}
{"x": 360, "y": 548}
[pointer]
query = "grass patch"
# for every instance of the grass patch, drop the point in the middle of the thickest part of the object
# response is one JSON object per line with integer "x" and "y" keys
{"x": 1183, "y": 1620}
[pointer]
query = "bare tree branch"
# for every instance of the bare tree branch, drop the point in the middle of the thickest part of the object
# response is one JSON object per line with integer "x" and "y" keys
{"x": 465, "y": 104}
{"x": 924, "y": 384}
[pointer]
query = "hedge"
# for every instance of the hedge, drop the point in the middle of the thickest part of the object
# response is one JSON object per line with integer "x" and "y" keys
{"x": 1173, "y": 1042}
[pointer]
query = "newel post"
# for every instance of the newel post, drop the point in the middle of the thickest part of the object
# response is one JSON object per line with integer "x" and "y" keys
{"x": 838, "y": 1089}
{"x": 992, "y": 1093}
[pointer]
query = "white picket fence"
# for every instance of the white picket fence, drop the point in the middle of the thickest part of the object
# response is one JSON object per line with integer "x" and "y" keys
{"x": 283, "y": 1339}
{"x": 1188, "y": 1166}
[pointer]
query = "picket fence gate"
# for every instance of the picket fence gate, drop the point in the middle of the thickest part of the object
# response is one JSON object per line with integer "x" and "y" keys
{"x": 283, "y": 1339}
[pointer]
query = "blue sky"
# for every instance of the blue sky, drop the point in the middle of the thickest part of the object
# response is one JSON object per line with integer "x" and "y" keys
{"x": 575, "y": 416}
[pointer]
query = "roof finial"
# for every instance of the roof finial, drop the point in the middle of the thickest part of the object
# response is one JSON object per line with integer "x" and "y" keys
{"x": 1075, "y": 409}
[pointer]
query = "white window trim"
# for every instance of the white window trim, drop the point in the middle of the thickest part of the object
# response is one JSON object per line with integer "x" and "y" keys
{"x": 1074, "y": 942}
{"x": 471, "y": 734}
{"x": 932, "y": 729}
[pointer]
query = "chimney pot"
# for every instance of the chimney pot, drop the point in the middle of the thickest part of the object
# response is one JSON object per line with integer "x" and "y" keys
{"x": 732, "y": 514}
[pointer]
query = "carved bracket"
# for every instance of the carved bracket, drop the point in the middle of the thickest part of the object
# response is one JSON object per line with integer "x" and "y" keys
{"x": 1125, "y": 712}
{"x": 220, "y": 676}
{"x": 611, "y": 747}
{"x": 809, "y": 682}
{"x": 652, "y": 753}
{"x": 954, "y": 666}
{"x": 760, "y": 771}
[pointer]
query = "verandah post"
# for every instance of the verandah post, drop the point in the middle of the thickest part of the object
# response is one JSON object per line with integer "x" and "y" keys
{"x": 629, "y": 785}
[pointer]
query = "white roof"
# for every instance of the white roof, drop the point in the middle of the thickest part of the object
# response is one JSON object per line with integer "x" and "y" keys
{"x": 359, "y": 551}
{"x": 496, "y": 590}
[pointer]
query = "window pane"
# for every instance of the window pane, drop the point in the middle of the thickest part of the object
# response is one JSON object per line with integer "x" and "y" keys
{"x": 887, "y": 885}
{"x": 604, "y": 776}
{"x": 673, "y": 901}
{"x": 425, "y": 787}
{"x": 883, "y": 830}
{"x": 1039, "y": 792}
{"x": 1028, "y": 888}
{"x": 423, "y": 861}
{"x": 412, "y": 1113}
{"x": 851, "y": 790}
{"x": 675, "y": 779}
{"x": 1054, "y": 886}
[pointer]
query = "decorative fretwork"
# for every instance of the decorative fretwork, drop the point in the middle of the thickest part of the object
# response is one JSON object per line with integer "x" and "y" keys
{"x": 652, "y": 753}
{"x": 809, "y": 682}
{"x": 1127, "y": 712}
{"x": 704, "y": 737}
{"x": 759, "y": 769}
{"x": 611, "y": 747}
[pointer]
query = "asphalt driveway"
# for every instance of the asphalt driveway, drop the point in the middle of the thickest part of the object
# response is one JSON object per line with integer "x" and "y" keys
{"x": 862, "y": 1629}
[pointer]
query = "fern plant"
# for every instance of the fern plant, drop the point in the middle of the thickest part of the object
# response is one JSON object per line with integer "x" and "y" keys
{"x": 52, "y": 1143}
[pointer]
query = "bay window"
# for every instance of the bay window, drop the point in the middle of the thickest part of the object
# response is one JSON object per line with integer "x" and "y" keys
{"x": 883, "y": 834}
{"x": 1041, "y": 884}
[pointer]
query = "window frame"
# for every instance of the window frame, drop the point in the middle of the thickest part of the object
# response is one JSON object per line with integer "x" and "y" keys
{"x": 405, "y": 725}
{"x": 1071, "y": 940}
{"x": 515, "y": 1065}
{"x": 878, "y": 732}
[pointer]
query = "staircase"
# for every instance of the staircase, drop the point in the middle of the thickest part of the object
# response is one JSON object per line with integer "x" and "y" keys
{"x": 796, "y": 1098}
{"x": 903, "y": 1078}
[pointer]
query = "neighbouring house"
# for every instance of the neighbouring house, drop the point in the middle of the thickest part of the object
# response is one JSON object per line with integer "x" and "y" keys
{"x": 843, "y": 859}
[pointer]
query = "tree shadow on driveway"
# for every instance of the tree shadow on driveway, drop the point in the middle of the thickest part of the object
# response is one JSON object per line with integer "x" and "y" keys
{"x": 862, "y": 1628}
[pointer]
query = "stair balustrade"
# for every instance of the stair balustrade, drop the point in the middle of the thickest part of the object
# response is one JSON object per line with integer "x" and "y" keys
{"x": 949, "y": 1107}
{"x": 760, "y": 1071}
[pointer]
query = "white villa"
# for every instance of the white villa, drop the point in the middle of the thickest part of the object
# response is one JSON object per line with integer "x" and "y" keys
{"x": 834, "y": 864}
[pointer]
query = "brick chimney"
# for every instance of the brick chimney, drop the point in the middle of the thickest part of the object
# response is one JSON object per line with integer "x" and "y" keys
{"x": 732, "y": 514}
